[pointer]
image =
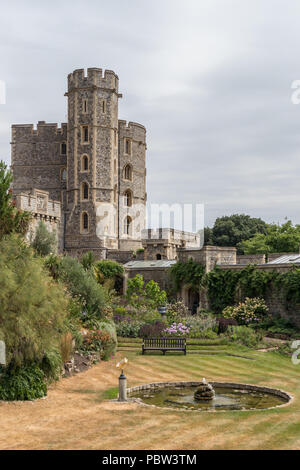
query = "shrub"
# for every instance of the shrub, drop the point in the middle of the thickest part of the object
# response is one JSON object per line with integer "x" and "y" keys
{"x": 44, "y": 242}
{"x": 141, "y": 294}
{"x": 252, "y": 310}
{"x": 243, "y": 335}
{"x": 33, "y": 308}
{"x": 88, "y": 260}
{"x": 201, "y": 326}
{"x": 156, "y": 329}
{"x": 175, "y": 311}
{"x": 101, "y": 337}
{"x": 51, "y": 365}
{"x": 129, "y": 328}
{"x": 83, "y": 286}
{"x": 12, "y": 220}
{"x": 26, "y": 383}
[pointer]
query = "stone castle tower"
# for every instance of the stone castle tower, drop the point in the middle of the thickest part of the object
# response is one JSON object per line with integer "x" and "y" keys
{"x": 94, "y": 165}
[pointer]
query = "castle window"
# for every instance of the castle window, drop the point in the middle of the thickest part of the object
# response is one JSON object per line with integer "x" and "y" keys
{"x": 84, "y": 191}
{"x": 103, "y": 106}
{"x": 85, "y": 221}
{"x": 63, "y": 174}
{"x": 128, "y": 198}
{"x": 84, "y": 163}
{"x": 115, "y": 137}
{"x": 115, "y": 193}
{"x": 63, "y": 148}
{"x": 158, "y": 256}
{"x": 128, "y": 146}
{"x": 128, "y": 172}
{"x": 85, "y": 106}
{"x": 115, "y": 166}
{"x": 127, "y": 225}
{"x": 85, "y": 134}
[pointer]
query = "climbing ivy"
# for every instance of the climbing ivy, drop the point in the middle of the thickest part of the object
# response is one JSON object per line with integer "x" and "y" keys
{"x": 224, "y": 285}
{"x": 189, "y": 274}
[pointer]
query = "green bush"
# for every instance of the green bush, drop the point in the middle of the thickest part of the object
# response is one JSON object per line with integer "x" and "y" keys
{"x": 12, "y": 220}
{"x": 251, "y": 310}
{"x": 26, "y": 383}
{"x": 201, "y": 326}
{"x": 140, "y": 294}
{"x": 102, "y": 336}
{"x": 33, "y": 308}
{"x": 44, "y": 241}
{"x": 129, "y": 329}
{"x": 82, "y": 286}
{"x": 244, "y": 335}
{"x": 51, "y": 365}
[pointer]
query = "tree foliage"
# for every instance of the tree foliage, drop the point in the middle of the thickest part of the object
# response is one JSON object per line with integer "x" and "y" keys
{"x": 11, "y": 219}
{"x": 33, "y": 308}
{"x": 232, "y": 230}
{"x": 81, "y": 284}
{"x": 283, "y": 238}
{"x": 44, "y": 241}
{"x": 139, "y": 293}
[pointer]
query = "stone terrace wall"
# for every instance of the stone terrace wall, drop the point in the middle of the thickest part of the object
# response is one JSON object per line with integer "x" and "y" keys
{"x": 250, "y": 259}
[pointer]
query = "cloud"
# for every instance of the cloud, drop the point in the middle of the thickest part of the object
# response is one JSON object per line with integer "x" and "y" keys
{"x": 210, "y": 80}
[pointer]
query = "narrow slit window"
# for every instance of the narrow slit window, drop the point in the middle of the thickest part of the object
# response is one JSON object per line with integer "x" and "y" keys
{"x": 85, "y": 134}
{"x": 85, "y": 221}
{"x": 63, "y": 148}
{"x": 85, "y": 191}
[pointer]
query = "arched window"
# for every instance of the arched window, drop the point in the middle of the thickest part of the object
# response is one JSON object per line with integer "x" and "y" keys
{"x": 158, "y": 256}
{"x": 128, "y": 198}
{"x": 128, "y": 172}
{"x": 127, "y": 225}
{"x": 84, "y": 191}
{"x": 85, "y": 221}
{"x": 84, "y": 163}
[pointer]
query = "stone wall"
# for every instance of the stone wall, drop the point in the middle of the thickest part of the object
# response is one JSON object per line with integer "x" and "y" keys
{"x": 275, "y": 298}
{"x": 159, "y": 275}
{"x": 37, "y": 160}
{"x": 42, "y": 209}
{"x": 250, "y": 259}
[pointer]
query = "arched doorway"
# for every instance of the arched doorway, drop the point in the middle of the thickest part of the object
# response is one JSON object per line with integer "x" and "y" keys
{"x": 193, "y": 301}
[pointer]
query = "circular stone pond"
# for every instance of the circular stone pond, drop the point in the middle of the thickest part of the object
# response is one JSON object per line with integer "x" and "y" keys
{"x": 228, "y": 396}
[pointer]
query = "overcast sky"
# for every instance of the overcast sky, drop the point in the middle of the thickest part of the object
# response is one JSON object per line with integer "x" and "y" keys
{"x": 210, "y": 80}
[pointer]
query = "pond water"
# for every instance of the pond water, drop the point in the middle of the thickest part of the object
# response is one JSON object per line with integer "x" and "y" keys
{"x": 225, "y": 398}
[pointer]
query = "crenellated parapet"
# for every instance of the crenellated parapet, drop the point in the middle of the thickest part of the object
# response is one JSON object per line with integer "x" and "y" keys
{"x": 39, "y": 204}
{"x": 132, "y": 130}
{"x": 43, "y": 132}
{"x": 93, "y": 78}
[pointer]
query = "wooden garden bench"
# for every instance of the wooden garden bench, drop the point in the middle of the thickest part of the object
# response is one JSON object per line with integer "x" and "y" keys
{"x": 164, "y": 344}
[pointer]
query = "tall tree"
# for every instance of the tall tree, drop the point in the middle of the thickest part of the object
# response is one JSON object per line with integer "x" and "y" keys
{"x": 11, "y": 219}
{"x": 232, "y": 230}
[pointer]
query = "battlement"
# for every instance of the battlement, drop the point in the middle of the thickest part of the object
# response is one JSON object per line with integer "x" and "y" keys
{"x": 188, "y": 239}
{"x": 133, "y": 130}
{"x": 93, "y": 77}
{"x": 38, "y": 202}
{"x": 43, "y": 131}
